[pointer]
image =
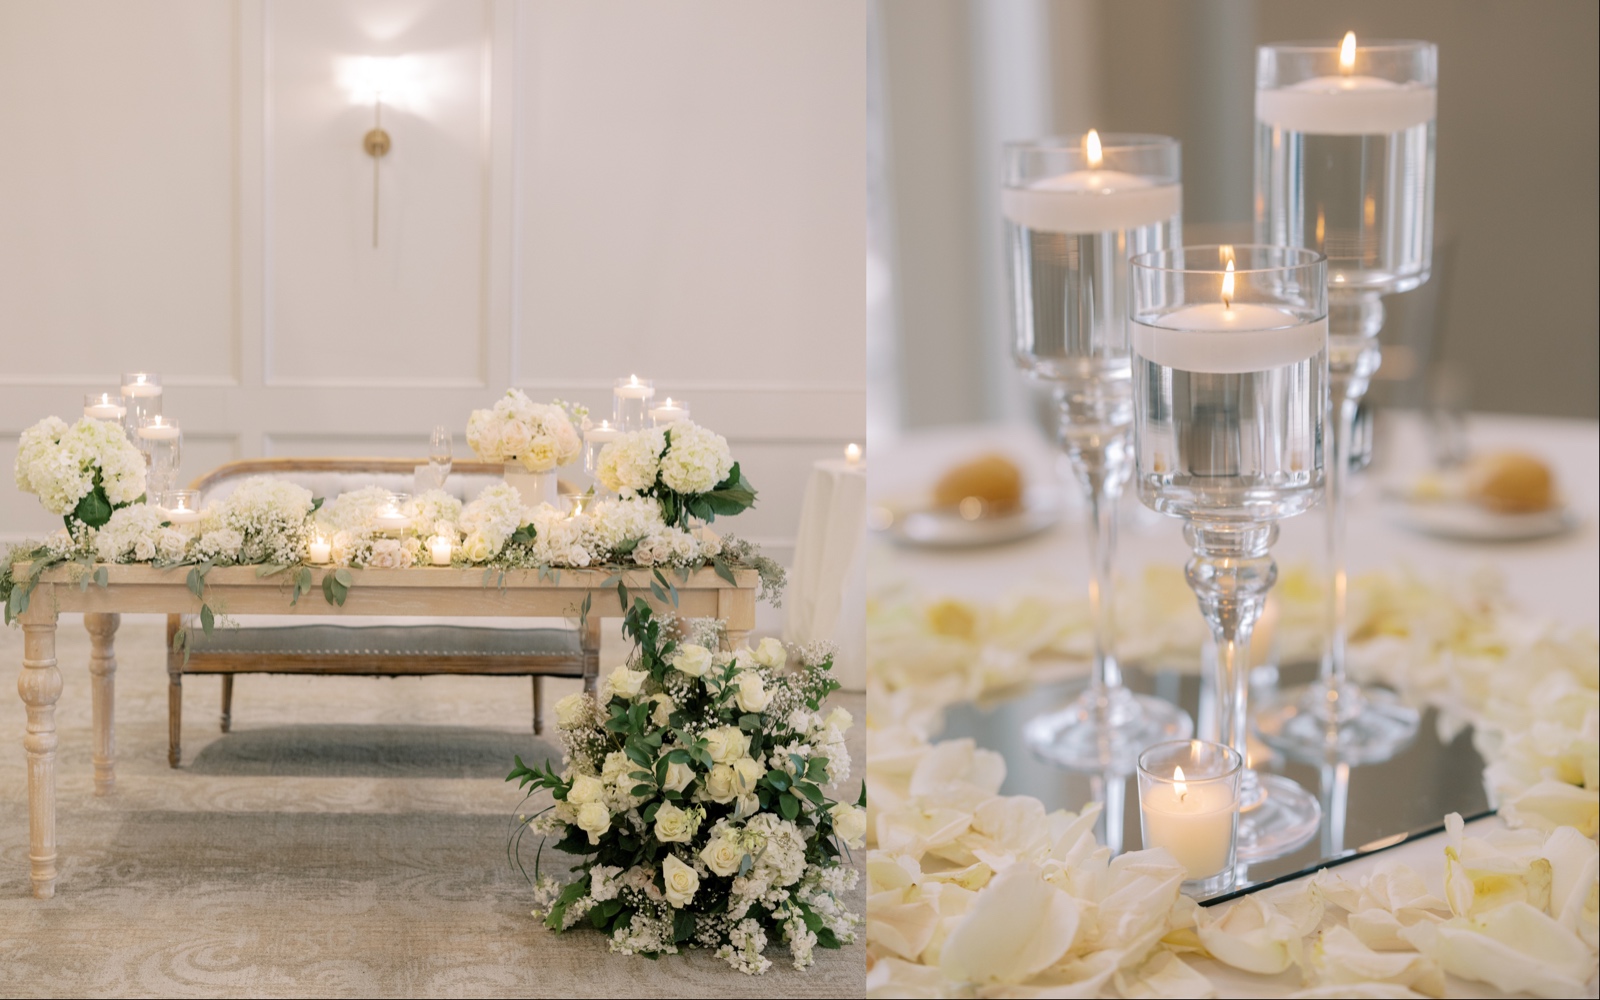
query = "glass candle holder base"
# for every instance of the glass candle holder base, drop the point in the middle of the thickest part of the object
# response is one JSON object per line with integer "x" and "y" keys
{"x": 1084, "y": 736}
{"x": 1282, "y": 817}
{"x": 1347, "y": 723}
{"x": 1204, "y": 888}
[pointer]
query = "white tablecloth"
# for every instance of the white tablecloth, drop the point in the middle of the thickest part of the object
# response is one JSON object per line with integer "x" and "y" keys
{"x": 1554, "y": 578}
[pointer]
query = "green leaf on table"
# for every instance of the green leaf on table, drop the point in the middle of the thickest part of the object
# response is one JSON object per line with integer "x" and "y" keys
{"x": 208, "y": 620}
{"x": 196, "y": 582}
{"x": 102, "y": 578}
{"x": 724, "y": 571}
{"x": 746, "y": 863}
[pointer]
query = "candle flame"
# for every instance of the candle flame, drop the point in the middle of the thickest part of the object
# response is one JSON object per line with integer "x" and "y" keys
{"x": 1227, "y": 287}
{"x": 633, "y": 380}
{"x": 1347, "y": 53}
{"x": 668, "y": 403}
{"x": 1177, "y": 782}
{"x": 1091, "y": 149}
{"x": 852, "y": 453}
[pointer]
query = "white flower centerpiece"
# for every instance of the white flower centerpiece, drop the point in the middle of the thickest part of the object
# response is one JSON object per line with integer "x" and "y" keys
{"x": 532, "y": 439}
{"x": 692, "y": 793}
{"x": 686, "y": 468}
{"x": 82, "y": 472}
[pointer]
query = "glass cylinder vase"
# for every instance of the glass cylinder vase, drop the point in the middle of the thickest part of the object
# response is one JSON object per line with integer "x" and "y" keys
{"x": 535, "y": 488}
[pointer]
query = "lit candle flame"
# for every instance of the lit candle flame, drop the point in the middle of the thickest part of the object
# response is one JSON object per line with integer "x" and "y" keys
{"x": 633, "y": 380}
{"x": 1347, "y": 53}
{"x": 1177, "y": 782}
{"x": 1091, "y": 149}
{"x": 1227, "y": 287}
{"x": 852, "y": 453}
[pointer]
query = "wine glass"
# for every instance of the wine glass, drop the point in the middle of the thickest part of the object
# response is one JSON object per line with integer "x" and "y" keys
{"x": 1344, "y": 165}
{"x": 439, "y": 455}
{"x": 1230, "y": 347}
{"x": 1075, "y": 209}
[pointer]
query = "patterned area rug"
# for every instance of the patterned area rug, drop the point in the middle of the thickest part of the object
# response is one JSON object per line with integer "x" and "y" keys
{"x": 348, "y": 838}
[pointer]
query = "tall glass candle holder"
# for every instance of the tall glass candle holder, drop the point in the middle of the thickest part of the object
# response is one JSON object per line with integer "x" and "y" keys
{"x": 669, "y": 412}
{"x": 141, "y": 397}
{"x": 595, "y": 439}
{"x": 1189, "y": 804}
{"x": 1075, "y": 209}
{"x": 630, "y": 403}
{"x": 162, "y": 441}
{"x": 1344, "y": 165}
{"x": 1230, "y": 387}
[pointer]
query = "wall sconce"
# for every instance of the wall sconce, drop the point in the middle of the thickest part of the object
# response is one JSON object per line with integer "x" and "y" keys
{"x": 377, "y": 80}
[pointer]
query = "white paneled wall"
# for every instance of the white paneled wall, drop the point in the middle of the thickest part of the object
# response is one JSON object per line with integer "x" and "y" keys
{"x": 576, "y": 191}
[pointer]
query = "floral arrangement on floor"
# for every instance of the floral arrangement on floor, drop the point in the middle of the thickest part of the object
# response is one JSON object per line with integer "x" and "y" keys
{"x": 692, "y": 792}
{"x": 684, "y": 467}
{"x": 537, "y": 436}
{"x": 82, "y": 472}
{"x": 1519, "y": 908}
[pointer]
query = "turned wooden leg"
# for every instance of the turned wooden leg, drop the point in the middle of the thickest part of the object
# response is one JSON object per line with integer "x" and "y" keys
{"x": 734, "y": 638}
{"x": 227, "y": 703}
{"x": 538, "y": 706}
{"x": 589, "y": 640}
{"x": 174, "y": 697}
{"x": 40, "y": 686}
{"x": 102, "y": 629}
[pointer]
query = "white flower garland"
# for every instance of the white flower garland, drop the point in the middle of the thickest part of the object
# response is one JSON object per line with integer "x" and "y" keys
{"x": 1520, "y": 908}
{"x": 538, "y": 436}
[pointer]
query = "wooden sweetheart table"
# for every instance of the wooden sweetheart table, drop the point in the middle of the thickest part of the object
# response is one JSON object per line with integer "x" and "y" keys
{"x": 237, "y": 590}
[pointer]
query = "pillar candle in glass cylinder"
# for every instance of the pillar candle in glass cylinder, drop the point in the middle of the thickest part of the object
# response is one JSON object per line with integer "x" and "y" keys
{"x": 669, "y": 412}
{"x": 595, "y": 439}
{"x": 141, "y": 397}
{"x": 104, "y": 406}
{"x": 630, "y": 401}
{"x": 1189, "y": 805}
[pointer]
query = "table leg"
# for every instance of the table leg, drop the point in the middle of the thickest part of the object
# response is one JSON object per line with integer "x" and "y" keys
{"x": 40, "y": 686}
{"x": 174, "y": 696}
{"x": 102, "y": 629}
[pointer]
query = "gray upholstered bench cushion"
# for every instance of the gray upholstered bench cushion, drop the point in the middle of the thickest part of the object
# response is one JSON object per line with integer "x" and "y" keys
{"x": 387, "y": 640}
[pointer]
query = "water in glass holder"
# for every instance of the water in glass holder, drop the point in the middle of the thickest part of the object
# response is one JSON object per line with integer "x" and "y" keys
{"x": 161, "y": 439}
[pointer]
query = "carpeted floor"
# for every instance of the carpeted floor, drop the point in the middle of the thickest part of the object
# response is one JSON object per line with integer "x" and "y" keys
{"x": 348, "y": 838}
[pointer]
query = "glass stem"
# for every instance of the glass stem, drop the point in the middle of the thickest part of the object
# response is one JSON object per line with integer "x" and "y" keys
{"x": 1336, "y": 482}
{"x": 1230, "y": 574}
{"x": 1102, "y": 551}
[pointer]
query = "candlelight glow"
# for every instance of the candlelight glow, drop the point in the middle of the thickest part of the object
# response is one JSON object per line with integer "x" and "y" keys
{"x": 1177, "y": 782}
{"x": 1091, "y": 149}
{"x": 1227, "y": 287}
{"x": 852, "y": 454}
{"x": 1347, "y": 52}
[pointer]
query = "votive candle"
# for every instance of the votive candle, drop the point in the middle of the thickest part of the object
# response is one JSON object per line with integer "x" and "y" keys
{"x": 439, "y": 550}
{"x": 1189, "y": 805}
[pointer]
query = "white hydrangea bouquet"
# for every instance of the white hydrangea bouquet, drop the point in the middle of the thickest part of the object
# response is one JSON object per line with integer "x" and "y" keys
{"x": 81, "y": 472}
{"x": 687, "y": 468}
{"x": 692, "y": 793}
{"x": 537, "y": 436}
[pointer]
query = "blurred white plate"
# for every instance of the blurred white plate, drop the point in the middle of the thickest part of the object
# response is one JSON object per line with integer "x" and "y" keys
{"x": 1041, "y": 509}
{"x": 1470, "y": 523}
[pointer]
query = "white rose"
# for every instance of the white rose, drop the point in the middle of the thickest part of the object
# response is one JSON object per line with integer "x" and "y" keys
{"x": 771, "y": 653}
{"x": 476, "y": 548}
{"x": 674, "y": 825}
{"x": 722, "y": 856}
{"x": 745, "y": 806}
{"x": 722, "y": 783}
{"x": 849, "y": 823}
{"x": 586, "y": 788}
{"x": 665, "y": 706}
{"x": 692, "y": 660}
{"x": 594, "y": 819}
{"x": 626, "y": 683}
{"x": 678, "y": 777}
{"x": 748, "y": 772}
{"x": 753, "y": 694}
{"x": 681, "y": 881}
{"x": 726, "y": 743}
{"x": 840, "y": 720}
{"x": 572, "y": 710}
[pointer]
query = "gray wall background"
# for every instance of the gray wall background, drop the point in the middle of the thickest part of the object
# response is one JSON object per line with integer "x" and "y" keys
{"x": 1518, "y": 178}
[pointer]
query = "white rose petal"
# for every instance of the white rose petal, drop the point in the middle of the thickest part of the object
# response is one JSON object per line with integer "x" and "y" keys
{"x": 1251, "y": 935}
{"x": 1512, "y": 947}
{"x": 1339, "y": 957}
{"x": 1164, "y": 975}
{"x": 1018, "y": 926}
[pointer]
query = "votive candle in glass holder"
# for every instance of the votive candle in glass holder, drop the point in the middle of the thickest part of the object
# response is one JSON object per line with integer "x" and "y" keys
{"x": 440, "y": 548}
{"x": 630, "y": 403}
{"x": 141, "y": 397}
{"x": 319, "y": 551}
{"x": 392, "y": 516}
{"x": 104, "y": 406}
{"x": 1189, "y": 805}
{"x": 162, "y": 440}
{"x": 669, "y": 412}
{"x": 181, "y": 506}
{"x": 576, "y": 503}
{"x": 594, "y": 440}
